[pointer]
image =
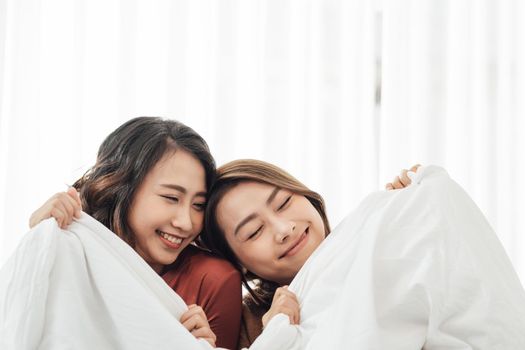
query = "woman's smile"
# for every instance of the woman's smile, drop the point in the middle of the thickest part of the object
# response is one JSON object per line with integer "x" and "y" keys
{"x": 297, "y": 245}
{"x": 271, "y": 230}
{"x": 171, "y": 240}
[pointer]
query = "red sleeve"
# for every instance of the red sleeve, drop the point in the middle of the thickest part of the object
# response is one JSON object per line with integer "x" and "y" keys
{"x": 222, "y": 303}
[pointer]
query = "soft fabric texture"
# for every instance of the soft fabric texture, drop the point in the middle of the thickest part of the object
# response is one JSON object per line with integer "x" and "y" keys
{"x": 203, "y": 279}
{"x": 414, "y": 269}
{"x": 418, "y": 268}
{"x": 85, "y": 288}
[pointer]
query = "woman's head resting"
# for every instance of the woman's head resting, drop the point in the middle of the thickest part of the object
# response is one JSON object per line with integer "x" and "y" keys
{"x": 151, "y": 178}
{"x": 271, "y": 230}
{"x": 167, "y": 211}
{"x": 264, "y": 220}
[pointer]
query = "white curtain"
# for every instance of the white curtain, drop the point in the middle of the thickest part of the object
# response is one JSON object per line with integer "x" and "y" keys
{"x": 341, "y": 93}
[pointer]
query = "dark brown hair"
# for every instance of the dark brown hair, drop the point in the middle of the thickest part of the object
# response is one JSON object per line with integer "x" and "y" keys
{"x": 124, "y": 159}
{"x": 229, "y": 176}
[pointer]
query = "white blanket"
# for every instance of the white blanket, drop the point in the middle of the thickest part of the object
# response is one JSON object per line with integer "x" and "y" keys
{"x": 85, "y": 288}
{"x": 418, "y": 268}
{"x": 411, "y": 269}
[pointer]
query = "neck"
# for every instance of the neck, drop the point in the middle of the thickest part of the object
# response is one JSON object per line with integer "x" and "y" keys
{"x": 157, "y": 267}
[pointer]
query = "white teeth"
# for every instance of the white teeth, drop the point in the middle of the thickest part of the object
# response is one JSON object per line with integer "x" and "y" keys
{"x": 171, "y": 238}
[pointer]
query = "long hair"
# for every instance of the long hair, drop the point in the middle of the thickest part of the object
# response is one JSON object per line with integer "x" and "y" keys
{"x": 213, "y": 237}
{"x": 124, "y": 159}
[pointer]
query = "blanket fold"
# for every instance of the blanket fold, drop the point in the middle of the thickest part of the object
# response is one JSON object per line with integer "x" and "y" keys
{"x": 416, "y": 269}
{"x": 84, "y": 288}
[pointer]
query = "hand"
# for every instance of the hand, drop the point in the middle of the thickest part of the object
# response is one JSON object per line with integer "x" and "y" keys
{"x": 402, "y": 180}
{"x": 284, "y": 302}
{"x": 195, "y": 321}
{"x": 63, "y": 206}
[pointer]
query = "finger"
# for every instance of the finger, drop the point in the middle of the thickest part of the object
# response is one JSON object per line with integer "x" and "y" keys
{"x": 389, "y": 186}
{"x": 195, "y": 322}
{"x": 192, "y": 311}
{"x": 283, "y": 291}
{"x": 397, "y": 183}
{"x": 59, "y": 216}
{"x": 287, "y": 302}
{"x": 288, "y": 295}
{"x": 66, "y": 207}
{"x": 415, "y": 167}
{"x": 63, "y": 201}
{"x": 71, "y": 201}
{"x": 292, "y": 305}
{"x": 405, "y": 180}
{"x": 73, "y": 193}
{"x": 288, "y": 312}
{"x": 190, "y": 324}
{"x": 204, "y": 332}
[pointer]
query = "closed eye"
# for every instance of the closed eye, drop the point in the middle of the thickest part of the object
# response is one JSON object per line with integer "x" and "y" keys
{"x": 200, "y": 206}
{"x": 284, "y": 203}
{"x": 171, "y": 199}
{"x": 253, "y": 235}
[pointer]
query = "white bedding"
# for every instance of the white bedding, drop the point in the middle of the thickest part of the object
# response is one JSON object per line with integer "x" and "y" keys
{"x": 410, "y": 269}
{"x": 85, "y": 288}
{"x": 418, "y": 268}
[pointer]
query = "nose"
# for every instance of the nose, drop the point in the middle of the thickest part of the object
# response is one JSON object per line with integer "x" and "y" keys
{"x": 283, "y": 229}
{"x": 182, "y": 219}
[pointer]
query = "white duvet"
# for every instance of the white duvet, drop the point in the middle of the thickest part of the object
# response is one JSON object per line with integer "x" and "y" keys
{"x": 85, "y": 288}
{"x": 418, "y": 268}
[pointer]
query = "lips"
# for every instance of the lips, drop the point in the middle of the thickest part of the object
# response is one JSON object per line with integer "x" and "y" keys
{"x": 171, "y": 240}
{"x": 297, "y": 245}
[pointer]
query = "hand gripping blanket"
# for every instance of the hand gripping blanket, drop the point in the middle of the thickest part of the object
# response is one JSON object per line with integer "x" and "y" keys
{"x": 413, "y": 269}
{"x": 84, "y": 288}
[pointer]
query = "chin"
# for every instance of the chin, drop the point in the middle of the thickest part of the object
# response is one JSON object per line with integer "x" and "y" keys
{"x": 168, "y": 260}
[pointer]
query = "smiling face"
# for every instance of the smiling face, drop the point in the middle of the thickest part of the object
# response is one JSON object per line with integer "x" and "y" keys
{"x": 272, "y": 231}
{"x": 167, "y": 211}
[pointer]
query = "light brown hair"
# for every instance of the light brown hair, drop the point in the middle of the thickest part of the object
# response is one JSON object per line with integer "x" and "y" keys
{"x": 249, "y": 170}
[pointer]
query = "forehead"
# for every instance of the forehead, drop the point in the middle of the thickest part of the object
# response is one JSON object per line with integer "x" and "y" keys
{"x": 179, "y": 167}
{"x": 242, "y": 200}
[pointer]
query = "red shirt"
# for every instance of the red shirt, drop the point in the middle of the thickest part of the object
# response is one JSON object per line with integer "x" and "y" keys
{"x": 215, "y": 285}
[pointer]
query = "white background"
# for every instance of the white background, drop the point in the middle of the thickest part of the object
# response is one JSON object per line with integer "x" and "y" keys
{"x": 342, "y": 94}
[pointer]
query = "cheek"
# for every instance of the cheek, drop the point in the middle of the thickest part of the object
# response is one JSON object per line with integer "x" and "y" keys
{"x": 255, "y": 256}
{"x": 198, "y": 221}
{"x": 242, "y": 252}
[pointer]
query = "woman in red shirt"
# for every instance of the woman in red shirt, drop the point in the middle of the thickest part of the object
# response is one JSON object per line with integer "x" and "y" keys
{"x": 149, "y": 186}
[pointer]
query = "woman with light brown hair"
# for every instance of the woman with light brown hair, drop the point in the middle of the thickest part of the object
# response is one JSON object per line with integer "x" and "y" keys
{"x": 248, "y": 199}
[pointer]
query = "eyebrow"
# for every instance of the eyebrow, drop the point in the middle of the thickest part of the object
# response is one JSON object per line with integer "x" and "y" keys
{"x": 272, "y": 196}
{"x": 182, "y": 189}
{"x": 252, "y": 216}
